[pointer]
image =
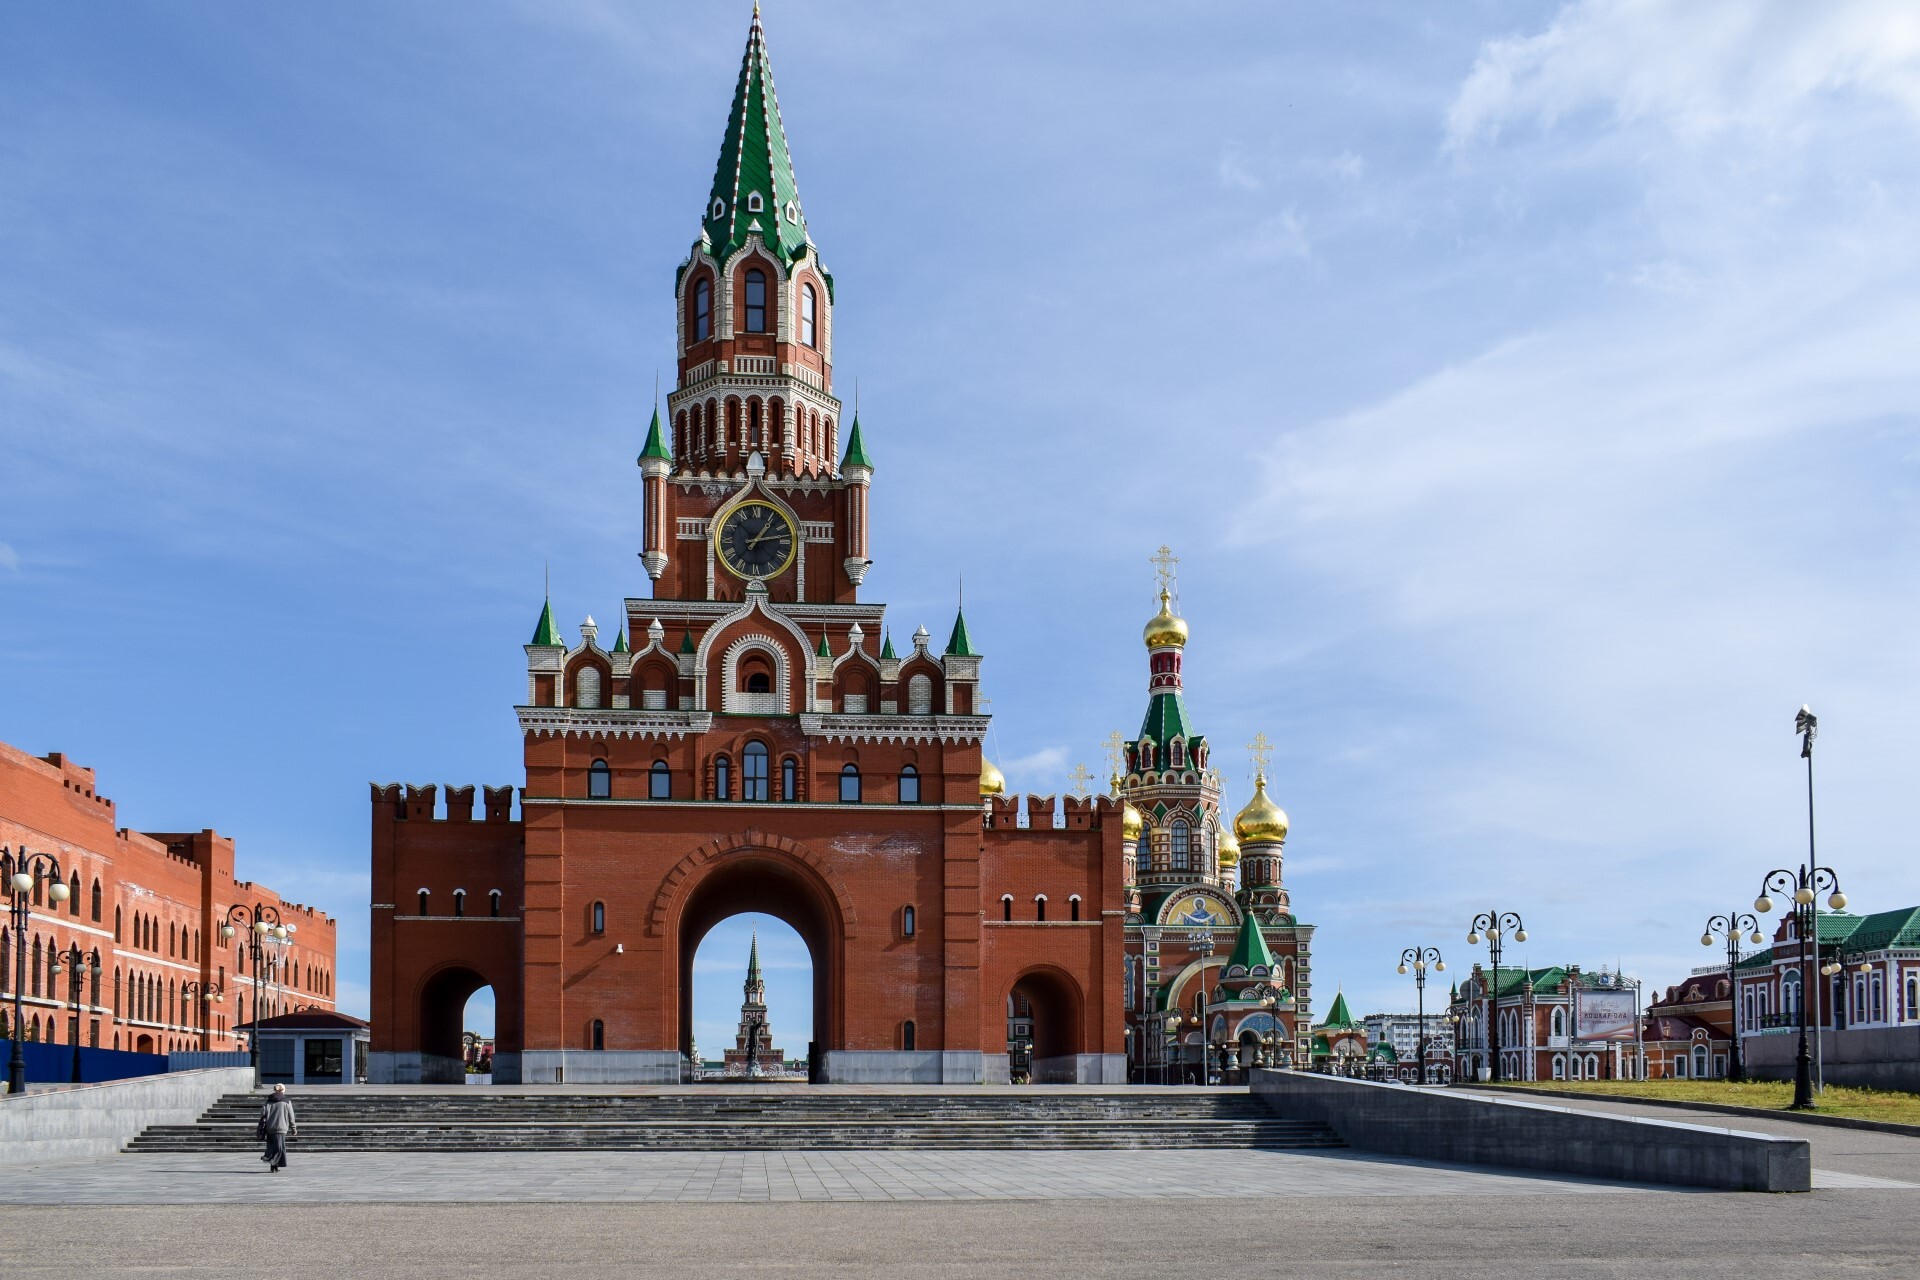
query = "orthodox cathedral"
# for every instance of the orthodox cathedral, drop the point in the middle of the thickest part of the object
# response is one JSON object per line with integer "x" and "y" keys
{"x": 752, "y": 739}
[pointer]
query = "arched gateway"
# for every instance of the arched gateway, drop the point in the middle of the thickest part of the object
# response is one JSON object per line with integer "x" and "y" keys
{"x": 751, "y": 739}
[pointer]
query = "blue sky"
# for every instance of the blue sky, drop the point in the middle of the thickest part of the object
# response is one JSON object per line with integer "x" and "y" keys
{"x": 1529, "y": 389}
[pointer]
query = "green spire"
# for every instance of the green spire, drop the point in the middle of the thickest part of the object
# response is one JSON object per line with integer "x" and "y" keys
{"x": 753, "y": 960}
{"x": 823, "y": 651}
{"x": 1250, "y": 948}
{"x": 959, "y": 644}
{"x": 755, "y": 168}
{"x": 1340, "y": 1018}
{"x": 655, "y": 446}
{"x": 686, "y": 642}
{"x": 544, "y": 632}
{"x": 856, "y": 451}
{"x": 886, "y": 648}
{"x": 620, "y": 641}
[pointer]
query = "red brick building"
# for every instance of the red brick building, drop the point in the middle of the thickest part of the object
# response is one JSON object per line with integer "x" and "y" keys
{"x": 752, "y": 740}
{"x": 146, "y": 908}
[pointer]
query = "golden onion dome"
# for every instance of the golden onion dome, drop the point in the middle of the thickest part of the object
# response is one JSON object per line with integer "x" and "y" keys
{"x": 1262, "y": 821}
{"x": 1131, "y": 823}
{"x": 1164, "y": 630}
{"x": 992, "y": 781}
{"x": 1228, "y": 849}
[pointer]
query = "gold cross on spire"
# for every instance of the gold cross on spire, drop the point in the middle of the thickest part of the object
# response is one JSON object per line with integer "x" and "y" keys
{"x": 1166, "y": 567}
{"x": 1116, "y": 754}
{"x": 1262, "y": 751}
{"x": 1079, "y": 781}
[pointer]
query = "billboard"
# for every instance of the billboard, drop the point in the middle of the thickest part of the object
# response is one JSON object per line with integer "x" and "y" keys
{"x": 1605, "y": 1015}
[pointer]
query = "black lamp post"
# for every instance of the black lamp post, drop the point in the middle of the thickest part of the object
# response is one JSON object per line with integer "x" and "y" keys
{"x": 1804, "y": 885}
{"x": 259, "y": 920}
{"x": 203, "y": 996}
{"x": 73, "y": 961}
{"x": 1173, "y": 1044}
{"x": 1733, "y": 924}
{"x": 28, "y": 870}
{"x": 1493, "y": 924}
{"x": 1420, "y": 958}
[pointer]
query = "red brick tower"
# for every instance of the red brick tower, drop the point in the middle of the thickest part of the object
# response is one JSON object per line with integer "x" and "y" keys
{"x": 753, "y": 1052}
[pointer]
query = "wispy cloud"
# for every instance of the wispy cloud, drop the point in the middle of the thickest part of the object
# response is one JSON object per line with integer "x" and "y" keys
{"x": 9, "y": 558}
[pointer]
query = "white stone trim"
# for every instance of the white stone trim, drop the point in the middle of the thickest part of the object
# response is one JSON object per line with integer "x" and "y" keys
{"x": 570, "y": 722}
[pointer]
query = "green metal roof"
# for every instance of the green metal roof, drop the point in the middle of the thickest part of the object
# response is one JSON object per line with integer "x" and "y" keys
{"x": 1250, "y": 948}
{"x": 959, "y": 644}
{"x": 1340, "y": 1018}
{"x": 823, "y": 651}
{"x": 754, "y": 161}
{"x": 686, "y": 642}
{"x": 1899, "y": 928}
{"x": 544, "y": 632}
{"x": 886, "y": 648}
{"x": 620, "y": 641}
{"x": 1383, "y": 1052}
{"x": 856, "y": 451}
{"x": 1321, "y": 1048}
{"x": 655, "y": 446}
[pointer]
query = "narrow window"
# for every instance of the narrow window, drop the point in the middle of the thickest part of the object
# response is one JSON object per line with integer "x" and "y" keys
{"x": 906, "y": 922}
{"x": 1178, "y": 841}
{"x": 599, "y": 917}
{"x": 73, "y": 896}
{"x": 117, "y": 920}
{"x": 850, "y": 784}
{"x": 599, "y": 781}
{"x": 598, "y": 1038}
{"x": 756, "y": 301}
{"x": 459, "y": 912}
{"x": 1040, "y": 906}
{"x": 789, "y": 780}
{"x": 1073, "y": 907}
{"x": 586, "y": 688}
{"x": 423, "y": 902}
{"x": 906, "y": 1034}
{"x": 702, "y": 310}
{"x": 1006, "y": 907}
{"x": 659, "y": 781}
{"x": 909, "y": 785}
{"x": 808, "y": 304}
{"x": 753, "y": 772}
{"x": 493, "y": 902}
{"x": 722, "y": 779}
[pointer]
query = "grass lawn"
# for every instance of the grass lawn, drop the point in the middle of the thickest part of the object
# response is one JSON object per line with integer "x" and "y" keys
{"x": 1860, "y": 1104}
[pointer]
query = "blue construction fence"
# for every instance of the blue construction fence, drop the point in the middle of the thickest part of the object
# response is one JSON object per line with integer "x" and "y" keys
{"x": 53, "y": 1063}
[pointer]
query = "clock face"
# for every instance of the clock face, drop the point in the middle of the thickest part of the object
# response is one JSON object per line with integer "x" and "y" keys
{"x": 755, "y": 540}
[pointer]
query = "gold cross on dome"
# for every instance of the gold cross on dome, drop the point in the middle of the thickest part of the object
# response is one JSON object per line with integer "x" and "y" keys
{"x": 1262, "y": 751}
{"x": 1116, "y": 754}
{"x": 1166, "y": 567}
{"x": 1080, "y": 780}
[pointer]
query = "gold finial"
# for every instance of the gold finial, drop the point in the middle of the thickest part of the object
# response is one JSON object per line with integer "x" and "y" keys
{"x": 1116, "y": 756}
{"x": 1261, "y": 749}
{"x": 1078, "y": 780}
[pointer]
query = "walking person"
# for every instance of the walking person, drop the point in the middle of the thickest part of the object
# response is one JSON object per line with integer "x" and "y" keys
{"x": 276, "y": 1126}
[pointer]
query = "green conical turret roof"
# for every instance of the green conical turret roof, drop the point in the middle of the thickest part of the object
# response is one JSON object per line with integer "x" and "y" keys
{"x": 686, "y": 642}
{"x": 1250, "y": 948}
{"x": 1340, "y": 1018}
{"x": 823, "y": 651}
{"x": 620, "y": 641}
{"x": 856, "y": 451}
{"x": 753, "y": 960}
{"x": 544, "y": 632}
{"x": 754, "y": 162}
{"x": 886, "y": 647}
{"x": 959, "y": 644}
{"x": 656, "y": 447}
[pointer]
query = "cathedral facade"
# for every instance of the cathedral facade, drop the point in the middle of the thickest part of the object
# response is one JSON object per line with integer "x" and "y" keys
{"x": 753, "y": 739}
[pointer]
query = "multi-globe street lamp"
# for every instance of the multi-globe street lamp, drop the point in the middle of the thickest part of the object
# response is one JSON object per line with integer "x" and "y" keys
{"x": 203, "y": 997}
{"x": 29, "y": 870}
{"x": 73, "y": 961}
{"x": 261, "y": 921}
{"x": 1493, "y": 924}
{"x": 1173, "y": 1042}
{"x": 1804, "y": 886}
{"x": 1419, "y": 958}
{"x": 1732, "y": 925}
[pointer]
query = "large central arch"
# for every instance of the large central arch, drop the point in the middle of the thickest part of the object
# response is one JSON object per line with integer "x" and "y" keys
{"x": 776, "y": 883}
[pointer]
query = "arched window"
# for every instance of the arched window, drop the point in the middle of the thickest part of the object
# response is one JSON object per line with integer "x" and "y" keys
{"x": 659, "y": 781}
{"x": 906, "y": 1035}
{"x": 920, "y": 695}
{"x": 116, "y": 924}
{"x": 73, "y": 895}
{"x": 809, "y": 303}
{"x": 423, "y": 904}
{"x": 759, "y": 682}
{"x": 1913, "y": 997}
{"x": 493, "y": 902}
{"x": 1559, "y": 1067}
{"x": 599, "y": 781}
{"x": 1006, "y": 906}
{"x": 789, "y": 780}
{"x": 906, "y": 922}
{"x": 753, "y": 424}
{"x": 1179, "y": 840}
{"x": 599, "y": 917}
{"x": 1073, "y": 907}
{"x": 722, "y": 778}
{"x": 586, "y": 688}
{"x": 1559, "y": 1023}
{"x": 756, "y": 301}
{"x": 850, "y": 784}
{"x": 597, "y": 1035}
{"x": 702, "y": 310}
{"x": 909, "y": 785}
{"x": 459, "y": 911}
{"x": 1039, "y": 906}
{"x": 753, "y": 772}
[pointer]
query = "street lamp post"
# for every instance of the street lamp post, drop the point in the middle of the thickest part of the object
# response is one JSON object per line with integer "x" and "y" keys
{"x": 1420, "y": 958}
{"x": 28, "y": 870}
{"x": 1272, "y": 1003}
{"x": 73, "y": 961}
{"x": 1493, "y": 924}
{"x": 1173, "y": 1042}
{"x": 1732, "y": 925}
{"x": 204, "y": 997}
{"x": 260, "y": 920}
{"x": 1804, "y": 885}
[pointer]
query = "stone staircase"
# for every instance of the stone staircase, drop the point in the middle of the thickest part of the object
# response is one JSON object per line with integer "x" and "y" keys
{"x": 700, "y": 1120}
